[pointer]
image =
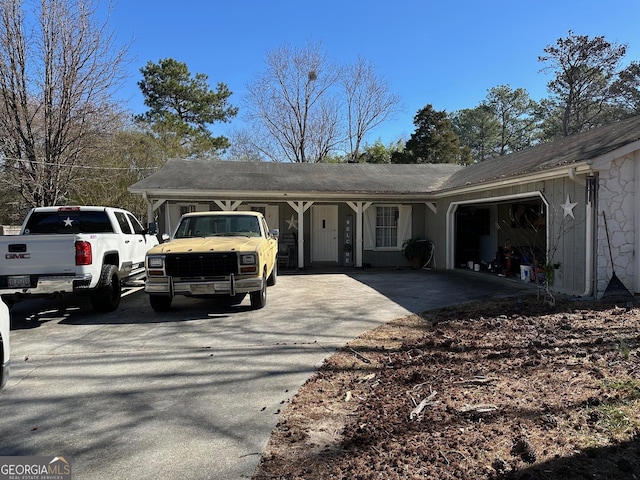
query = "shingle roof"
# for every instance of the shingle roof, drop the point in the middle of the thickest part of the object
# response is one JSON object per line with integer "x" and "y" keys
{"x": 221, "y": 176}
{"x": 218, "y": 177}
{"x": 565, "y": 151}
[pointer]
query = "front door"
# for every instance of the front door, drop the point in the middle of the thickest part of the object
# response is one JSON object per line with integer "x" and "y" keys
{"x": 324, "y": 233}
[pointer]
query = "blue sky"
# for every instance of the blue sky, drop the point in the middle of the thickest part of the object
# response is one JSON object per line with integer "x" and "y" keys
{"x": 444, "y": 53}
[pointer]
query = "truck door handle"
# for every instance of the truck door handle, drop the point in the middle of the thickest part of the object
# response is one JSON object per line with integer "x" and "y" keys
{"x": 126, "y": 241}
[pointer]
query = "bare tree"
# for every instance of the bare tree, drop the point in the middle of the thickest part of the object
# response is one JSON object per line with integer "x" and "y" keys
{"x": 243, "y": 147}
{"x": 369, "y": 103}
{"x": 293, "y": 103}
{"x": 121, "y": 158}
{"x": 58, "y": 69}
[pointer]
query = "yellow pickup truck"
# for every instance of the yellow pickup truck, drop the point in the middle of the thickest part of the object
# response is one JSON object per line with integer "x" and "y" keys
{"x": 214, "y": 254}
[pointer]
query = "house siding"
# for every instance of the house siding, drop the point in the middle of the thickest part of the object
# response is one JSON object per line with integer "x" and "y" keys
{"x": 395, "y": 258}
{"x": 567, "y": 235}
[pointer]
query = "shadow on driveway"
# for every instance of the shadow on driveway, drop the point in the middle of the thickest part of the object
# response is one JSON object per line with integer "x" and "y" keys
{"x": 422, "y": 290}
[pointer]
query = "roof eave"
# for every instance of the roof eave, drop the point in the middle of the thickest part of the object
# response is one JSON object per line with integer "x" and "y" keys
{"x": 159, "y": 193}
{"x": 557, "y": 172}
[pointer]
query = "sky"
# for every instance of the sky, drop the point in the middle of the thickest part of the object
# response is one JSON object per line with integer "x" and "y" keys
{"x": 446, "y": 53}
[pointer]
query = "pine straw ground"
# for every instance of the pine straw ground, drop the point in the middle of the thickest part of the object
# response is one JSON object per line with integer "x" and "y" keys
{"x": 492, "y": 390}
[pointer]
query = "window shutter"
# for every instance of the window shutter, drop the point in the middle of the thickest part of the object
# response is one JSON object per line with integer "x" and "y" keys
{"x": 404, "y": 224}
{"x": 369, "y": 228}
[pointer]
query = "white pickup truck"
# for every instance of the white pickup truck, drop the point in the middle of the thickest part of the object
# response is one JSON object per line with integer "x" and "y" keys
{"x": 5, "y": 351}
{"x": 63, "y": 250}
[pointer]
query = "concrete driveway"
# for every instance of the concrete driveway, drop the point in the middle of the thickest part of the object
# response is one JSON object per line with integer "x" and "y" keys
{"x": 193, "y": 393}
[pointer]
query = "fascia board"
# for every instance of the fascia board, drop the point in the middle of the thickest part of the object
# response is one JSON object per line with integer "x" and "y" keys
{"x": 170, "y": 194}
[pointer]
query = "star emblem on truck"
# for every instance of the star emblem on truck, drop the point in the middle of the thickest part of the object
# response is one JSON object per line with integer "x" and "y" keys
{"x": 68, "y": 222}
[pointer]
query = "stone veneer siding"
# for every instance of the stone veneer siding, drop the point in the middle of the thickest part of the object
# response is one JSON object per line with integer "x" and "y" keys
{"x": 616, "y": 198}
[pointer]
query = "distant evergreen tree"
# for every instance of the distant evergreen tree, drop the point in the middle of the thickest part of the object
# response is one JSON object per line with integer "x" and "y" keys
{"x": 181, "y": 107}
{"x": 434, "y": 141}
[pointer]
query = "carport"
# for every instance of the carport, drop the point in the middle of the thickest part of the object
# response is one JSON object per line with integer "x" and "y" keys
{"x": 481, "y": 228}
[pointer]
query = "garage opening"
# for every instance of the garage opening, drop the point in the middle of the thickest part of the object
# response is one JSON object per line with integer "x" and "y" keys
{"x": 483, "y": 229}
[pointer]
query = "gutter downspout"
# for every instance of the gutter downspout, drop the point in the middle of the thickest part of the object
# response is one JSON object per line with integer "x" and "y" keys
{"x": 589, "y": 243}
{"x": 589, "y": 183}
{"x": 578, "y": 180}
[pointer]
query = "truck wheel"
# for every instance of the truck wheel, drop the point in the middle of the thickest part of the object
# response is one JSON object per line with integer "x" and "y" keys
{"x": 160, "y": 303}
{"x": 106, "y": 297}
{"x": 259, "y": 297}
{"x": 9, "y": 301}
{"x": 273, "y": 278}
{"x": 234, "y": 299}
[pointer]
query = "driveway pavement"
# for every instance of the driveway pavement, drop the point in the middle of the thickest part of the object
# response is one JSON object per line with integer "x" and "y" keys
{"x": 195, "y": 392}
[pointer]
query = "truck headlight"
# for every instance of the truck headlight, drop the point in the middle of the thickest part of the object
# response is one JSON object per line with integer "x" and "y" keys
{"x": 155, "y": 265}
{"x": 155, "y": 262}
{"x": 248, "y": 259}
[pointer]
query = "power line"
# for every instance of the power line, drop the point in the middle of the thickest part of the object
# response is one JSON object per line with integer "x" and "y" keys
{"x": 88, "y": 167}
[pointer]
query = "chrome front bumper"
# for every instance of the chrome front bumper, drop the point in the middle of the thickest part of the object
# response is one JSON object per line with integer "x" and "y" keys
{"x": 232, "y": 286}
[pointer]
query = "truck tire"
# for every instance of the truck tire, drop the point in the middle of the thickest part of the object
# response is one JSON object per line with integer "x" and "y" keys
{"x": 106, "y": 296}
{"x": 160, "y": 303}
{"x": 234, "y": 299}
{"x": 259, "y": 297}
{"x": 273, "y": 278}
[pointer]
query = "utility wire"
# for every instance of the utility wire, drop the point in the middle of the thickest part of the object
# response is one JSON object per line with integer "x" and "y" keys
{"x": 89, "y": 167}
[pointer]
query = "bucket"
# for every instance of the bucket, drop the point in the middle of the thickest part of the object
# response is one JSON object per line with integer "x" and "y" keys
{"x": 470, "y": 264}
{"x": 476, "y": 267}
{"x": 525, "y": 273}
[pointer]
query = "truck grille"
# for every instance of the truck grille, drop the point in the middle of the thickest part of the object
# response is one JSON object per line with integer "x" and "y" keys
{"x": 201, "y": 264}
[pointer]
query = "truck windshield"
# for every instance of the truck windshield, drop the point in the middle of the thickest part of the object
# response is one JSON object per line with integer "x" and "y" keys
{"x": 219, "y": 225}
{"x": 68, "y": 222}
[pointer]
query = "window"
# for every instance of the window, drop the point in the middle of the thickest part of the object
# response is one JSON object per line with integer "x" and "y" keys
{"x": 69, "y": 222}
{"x": 137, "y": 227}
{"x": 187, "y": 209}
{"x": 387, "y": 227}
{"x": 122, "y": 221}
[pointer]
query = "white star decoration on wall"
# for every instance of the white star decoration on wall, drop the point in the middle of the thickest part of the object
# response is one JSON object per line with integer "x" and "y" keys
{"x": 292, "y": 223}
{"x": 568, "y": 207}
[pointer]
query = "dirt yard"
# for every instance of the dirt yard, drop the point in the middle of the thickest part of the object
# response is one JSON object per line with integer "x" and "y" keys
{"x": 494, "y": 390}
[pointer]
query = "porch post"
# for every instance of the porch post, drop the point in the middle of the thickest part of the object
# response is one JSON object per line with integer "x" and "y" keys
{"x": 359, "y": 208}
{"x": 228, "y": 205}
{"x": 300, "y": 208}
{"x": 151, "y": 213}
{"x": 151, "y": 207}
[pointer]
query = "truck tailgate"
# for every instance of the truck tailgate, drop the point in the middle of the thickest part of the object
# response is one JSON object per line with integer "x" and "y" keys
{"x": 37, "y": 254}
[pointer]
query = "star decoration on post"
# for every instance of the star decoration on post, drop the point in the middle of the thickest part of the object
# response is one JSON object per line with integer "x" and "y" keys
{"x": 292, "y": 223}
{"x": 68, "y": 222}
{"x": 568, "y": 207}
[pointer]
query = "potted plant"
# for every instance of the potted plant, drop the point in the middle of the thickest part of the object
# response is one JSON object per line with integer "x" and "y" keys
{"x": 417, "y": 251}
